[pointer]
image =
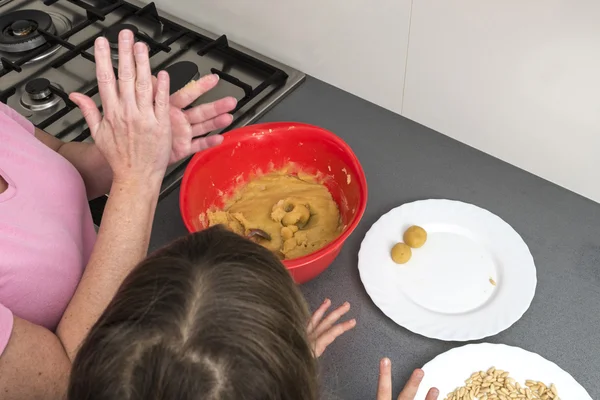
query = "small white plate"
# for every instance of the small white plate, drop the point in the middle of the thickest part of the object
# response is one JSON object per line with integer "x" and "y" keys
{"x": 450, "y": 369}
{"x": 473, "y": 278}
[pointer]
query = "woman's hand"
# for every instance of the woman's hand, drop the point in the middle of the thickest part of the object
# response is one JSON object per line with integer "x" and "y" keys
{"x": 323, "y": 331}
{"x": 134, "y": 135}
{"x": 384, "y": 387}
{"x": 187, "y": 125}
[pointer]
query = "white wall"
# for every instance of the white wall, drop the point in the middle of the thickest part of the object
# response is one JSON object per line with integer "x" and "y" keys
{"x": 519, "y": 79}
{"x": 357, "y": 45}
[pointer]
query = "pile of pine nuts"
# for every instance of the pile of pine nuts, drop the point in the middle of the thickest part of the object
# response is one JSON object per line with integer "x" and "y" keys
{"x": 495, "y": 384}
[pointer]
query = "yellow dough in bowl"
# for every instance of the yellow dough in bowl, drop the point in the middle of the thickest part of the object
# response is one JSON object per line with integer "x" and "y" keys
{"x": 415, "y": 236}
{"x": 296, "y": 211}
{"x": 401, "y": 253}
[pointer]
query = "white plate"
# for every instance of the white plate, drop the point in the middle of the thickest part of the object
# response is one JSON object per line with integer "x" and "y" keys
{"x": 450, "y": 369}
{"x": 445, "y": 291}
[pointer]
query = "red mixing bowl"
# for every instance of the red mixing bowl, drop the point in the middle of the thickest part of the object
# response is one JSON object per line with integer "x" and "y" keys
{"x": 212, "y": 175}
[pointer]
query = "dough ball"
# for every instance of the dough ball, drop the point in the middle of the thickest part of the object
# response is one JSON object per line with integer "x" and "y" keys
{"x": 289, "y": 245}
{"x": 415, "y": 236}
{"x": 277, "y": 213}
{"x": 401, "y": 253}
{"x": 287, "y": 233}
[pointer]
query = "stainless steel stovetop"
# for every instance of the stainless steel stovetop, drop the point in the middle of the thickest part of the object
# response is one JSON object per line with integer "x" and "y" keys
{"x": 46, "y": 51}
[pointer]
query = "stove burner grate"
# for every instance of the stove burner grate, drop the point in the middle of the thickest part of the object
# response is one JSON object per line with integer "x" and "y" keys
{"x": 203, "y": 44}
{"x": 19, "y": 30}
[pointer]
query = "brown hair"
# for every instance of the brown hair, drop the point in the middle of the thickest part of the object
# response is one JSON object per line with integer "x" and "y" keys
{"x": 212, "y": 316}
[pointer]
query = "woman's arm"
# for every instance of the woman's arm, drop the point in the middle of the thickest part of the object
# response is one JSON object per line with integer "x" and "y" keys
{"x": 34, "y": 364}
{"x": 122, "y": 243}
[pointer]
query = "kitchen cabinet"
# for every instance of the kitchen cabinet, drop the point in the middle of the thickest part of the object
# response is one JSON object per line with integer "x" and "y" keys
{"x": 517, "y": 79}
{"x": 357, "y": 45}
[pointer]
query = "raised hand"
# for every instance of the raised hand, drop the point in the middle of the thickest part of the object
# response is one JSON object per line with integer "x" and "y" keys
{"x": 204, "y": 118}
{"x": 134, "y": 134}
{"x": 323, "y": 331}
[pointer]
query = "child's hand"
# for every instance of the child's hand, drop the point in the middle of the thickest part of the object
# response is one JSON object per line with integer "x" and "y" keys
{"x": 384, "y": 388}
{"x": 187, "y": 125}
{"x": 322, "y": 332}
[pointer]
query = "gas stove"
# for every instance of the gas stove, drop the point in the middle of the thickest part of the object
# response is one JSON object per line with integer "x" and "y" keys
{"x": 46, "y": 52}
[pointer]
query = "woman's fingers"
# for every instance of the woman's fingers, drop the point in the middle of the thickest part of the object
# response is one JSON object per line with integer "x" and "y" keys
{"x": 105, "y": 75}
{"x": 89, "y": 110}
{"x": 126, "y": 67}
{"x": 331, "y": 319}
{"x": 432, "y": 394}
{"x": 412, "y": 386}
{"x": 143, "y": 83}
{"x": 329, "y": 336}
{"x": 219, "y": 122}
{"x": 189, "y": 93}
{"x": 161, "y": 101}
{"x": 204, "y": 112}
{"x": 318, "y": 315}
{"x": 384, "y": 385}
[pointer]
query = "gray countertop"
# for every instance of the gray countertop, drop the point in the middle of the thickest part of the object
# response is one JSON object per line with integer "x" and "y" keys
{"x": 403, "y": 162}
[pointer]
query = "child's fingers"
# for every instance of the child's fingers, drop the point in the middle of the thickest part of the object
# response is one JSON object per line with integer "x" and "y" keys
{"x": 317, "y": 316}
{"x": 432, "y": 394}
{"x": 412, "y": 386}
{"x": 329, "y": 336}
{"x": 331, "y": 319}
{"x": 384, "y": 386}
{"x": 189, "y": 93}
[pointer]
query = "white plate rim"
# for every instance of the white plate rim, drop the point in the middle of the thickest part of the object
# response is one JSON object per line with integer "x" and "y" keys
{"x": 460, "y": 335}
{"x": 482, "y": 348}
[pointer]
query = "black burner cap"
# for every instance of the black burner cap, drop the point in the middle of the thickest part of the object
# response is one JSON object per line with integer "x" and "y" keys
{"x": 37, "y": 86}
{"x": 181, "y": 74}
{"x": 23, "y": 27}
{"x": 112, "y": 33}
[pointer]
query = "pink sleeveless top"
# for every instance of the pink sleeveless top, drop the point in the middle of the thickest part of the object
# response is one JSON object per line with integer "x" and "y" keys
{"x": 46, "y": 229}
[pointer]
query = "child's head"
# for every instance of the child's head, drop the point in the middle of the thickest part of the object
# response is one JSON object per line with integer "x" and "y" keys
{"x": 212, "y": 316}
